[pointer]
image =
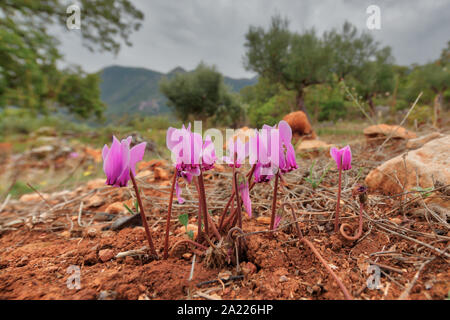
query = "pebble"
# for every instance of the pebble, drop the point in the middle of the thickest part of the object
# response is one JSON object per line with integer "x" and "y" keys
{"x": 127, "y": 221}
{"x": 106, "y": 255}
{"x": 107, "y": 295}
{"x": 161, "y": 174}
{"x": 116, "y": 208}
{"x": 283, "y": 279}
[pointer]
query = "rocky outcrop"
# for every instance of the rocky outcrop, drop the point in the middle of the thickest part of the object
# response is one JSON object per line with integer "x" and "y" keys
{"x": 385, "y": 130}
{"x": 418, "y": 168}
{"x": 420, "y": 141}
{"x": 300, "y": 124}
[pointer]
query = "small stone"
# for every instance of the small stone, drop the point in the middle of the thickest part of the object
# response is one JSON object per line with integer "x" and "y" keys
{"x": 103, "y": 216}
{"x": 283, "y": 279}
{"x": 127, "y": 221}
{"x": 263, "y": 220}
{"x": 91, "y": 232}
{"x": 116, "y": 208}
{"x": 161, "y": 174}
{"x": 33, "y": 197}
{"x": 190, "y": 227}
{"x": 396, "y": 220}
{"x": 106, "y": 255}
{"x": 143, "y": 297}
{"x": 95, "y": 201}
{"x": 65, "y": 234}
{"x": 187, "y": 256}
{"x": 248, "y": 268}
{"x": 107, "y": 295}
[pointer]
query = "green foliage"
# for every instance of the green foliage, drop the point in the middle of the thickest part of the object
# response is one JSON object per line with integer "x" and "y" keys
{"x": 332, "y": 110}
{"x": 421, "y": 115}
{"x": 29, "y": 77}
{"x": 292, "y": 60}
{"x": 314, "y": 181}
{"x": 198, "y": 94}
{"x": 272, "y": 111}
{"x": 230, "y": 113}
{"x": 424, "y": 192}
{"x": 184, "y": 220}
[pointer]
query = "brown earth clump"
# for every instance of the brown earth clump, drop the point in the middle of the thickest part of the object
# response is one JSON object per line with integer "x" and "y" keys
{"x": 300, "y": 125}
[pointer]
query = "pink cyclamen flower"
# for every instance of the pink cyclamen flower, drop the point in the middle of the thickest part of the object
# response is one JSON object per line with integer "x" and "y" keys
{"x": 208, "y": 154}
{"x": 119, "y": 160}
{"x": 274, "y": 151}
{"x": 192, "y": 155}
{"x": 245, "y": 195}
{"x": 343, "y": 156}
{"x": 287, "y": 152}
{"x": 237, "y": 152}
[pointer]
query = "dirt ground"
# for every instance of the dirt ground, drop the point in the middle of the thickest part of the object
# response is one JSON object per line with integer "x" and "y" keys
{"x": 40, "y": 240}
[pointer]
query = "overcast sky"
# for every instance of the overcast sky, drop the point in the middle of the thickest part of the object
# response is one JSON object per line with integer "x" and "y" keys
{"x": 184, "y": 32}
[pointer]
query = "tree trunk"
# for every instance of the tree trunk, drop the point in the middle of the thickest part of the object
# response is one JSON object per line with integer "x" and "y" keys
{"x": 437, "y": 121}
{"x": 301, "y": 103}
{"x": 371, "y": 106}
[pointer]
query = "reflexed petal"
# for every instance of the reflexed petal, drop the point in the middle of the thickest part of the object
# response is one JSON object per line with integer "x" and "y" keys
{"x": 245, "y": 195}
{"x": 347, "y": 158}
{"x": 105, "y": 151}
{"x": 285, "y": 132}
{"x": 171, "y": 139}
{"x": 336, "y": 154}
{"x": 136, "y": 155}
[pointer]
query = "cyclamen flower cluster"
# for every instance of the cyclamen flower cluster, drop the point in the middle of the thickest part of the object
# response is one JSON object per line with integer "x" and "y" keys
{"x": 270, "y": 153}
{"x": 192, "y": 154}
{"x": 269, "y": 149}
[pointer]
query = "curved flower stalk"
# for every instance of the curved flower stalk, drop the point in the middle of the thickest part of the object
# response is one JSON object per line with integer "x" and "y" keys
{"x": 343, "y": 159}
{"x": 359, "y": 191}
{"x": 119, "y": 165}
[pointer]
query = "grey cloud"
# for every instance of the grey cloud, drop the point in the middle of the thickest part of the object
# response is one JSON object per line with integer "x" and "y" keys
{"x": 182, "y": 33}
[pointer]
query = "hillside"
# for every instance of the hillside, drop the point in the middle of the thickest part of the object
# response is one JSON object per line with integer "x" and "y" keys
{"x": 129, "y": 90}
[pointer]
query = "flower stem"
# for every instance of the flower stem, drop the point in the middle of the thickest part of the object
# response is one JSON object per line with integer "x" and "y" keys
{"x": 336, "y": 218}
{"x": 360, "y": 227}
{"x": 222, "y": 217}
{"x": 210, "y": 220}
{"x": 169, "y": 215}
{"x": 201, "y": 187}
{"x": 144, "y": 219}
{"x": 274, "y": 202}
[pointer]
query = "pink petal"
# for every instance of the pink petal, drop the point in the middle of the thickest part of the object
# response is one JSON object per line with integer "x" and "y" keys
{"x": 136, "y": 155}
{"x": 285, "y": 132}
{"x": 178, "y": 193}
{"x": 347, "y": 158}
{"x": 335, "y": 153}
{"x": 245, "y": 195}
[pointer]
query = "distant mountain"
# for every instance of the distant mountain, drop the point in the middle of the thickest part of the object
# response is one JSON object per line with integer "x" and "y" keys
{"x": 128, "y": 90}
